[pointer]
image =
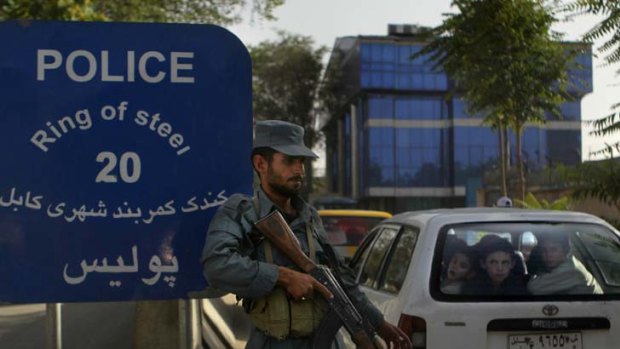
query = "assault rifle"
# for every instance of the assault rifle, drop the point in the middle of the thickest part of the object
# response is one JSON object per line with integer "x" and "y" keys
{"x": 342, "y": 312}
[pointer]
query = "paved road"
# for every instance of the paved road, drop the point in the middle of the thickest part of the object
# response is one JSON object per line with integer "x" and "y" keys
{"x": 22, "y": 327}
{"x": 85, "y": 326}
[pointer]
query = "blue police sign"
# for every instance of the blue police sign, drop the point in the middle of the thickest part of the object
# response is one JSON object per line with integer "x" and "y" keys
{"x": 119, "y": 142}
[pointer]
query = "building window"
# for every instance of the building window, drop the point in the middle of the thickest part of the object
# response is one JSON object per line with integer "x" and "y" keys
{"x": 533, "y": 150}
{"x": 380, "y": 107}
{"x": 460, "y": 109}
{"x": 580, "y": 77}
{"x": 418, "y": 157}
{"x": 571, "y": 111}
{"x": 564, "y": 146}
{"x": 380, "y": 157}
{"x": 475, "y": 149}
{"x": 390, "y": 66}
{"x": 347, "y": 154}
{"x": 419, "y": 108}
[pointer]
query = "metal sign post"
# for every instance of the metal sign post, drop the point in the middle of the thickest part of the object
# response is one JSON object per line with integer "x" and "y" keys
{"x": 53, "y": 325}
{"x": 189, "y": 324}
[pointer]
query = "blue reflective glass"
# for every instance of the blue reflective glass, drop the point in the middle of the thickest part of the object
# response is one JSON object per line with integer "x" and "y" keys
{"x": 419, "y": 60}
{"x": 375, "y": 79}
{"x": 403, "y": 138}
{"x": 417, "y": 81}
{"x": 389, "y": 53}
{"x": 419, "y": 160}
{"x": 380, "y": 107}
{"x": 571, "y": 110}
{"x": 442, "y": 81}
{"x": 381, "y": 156}
{"x": 365, "y": 52}
{"x": 461, "y": 155}
{"x": 404, "y": 81}
{"x": 401, "y": 108}
{"x": 460, "y": 136}
{"x": 374, "y": 139}
{"x": 475, "y": 154}
{"x": 459, "y": 108}
{"x": 380, "y": 136}
{"x": 387, "y": 176}
{"x": 404, "y": 54}
{"x": 387, "y": 155}
{"x": 429, "y": 81}
{"x": 365, "y": 79}
{"x": 375, "y": 50}
{"x": 564, "y": 146}
{"x": 388, "y": 80}
{"x": 402, "y": 158}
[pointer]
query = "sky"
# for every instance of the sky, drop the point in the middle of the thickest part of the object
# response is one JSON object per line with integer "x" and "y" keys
{"x": 326, "y": 20}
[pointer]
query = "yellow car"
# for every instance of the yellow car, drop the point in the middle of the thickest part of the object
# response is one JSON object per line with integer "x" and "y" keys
{"x": 346, "y": 228}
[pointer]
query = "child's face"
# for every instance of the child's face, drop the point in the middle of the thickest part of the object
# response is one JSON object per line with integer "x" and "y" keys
{"x": 498, "y": 265}
{"x": 459, "y": 267}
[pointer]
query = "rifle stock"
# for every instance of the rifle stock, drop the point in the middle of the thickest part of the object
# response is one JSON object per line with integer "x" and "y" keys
{"x": 276, "y": 230}
{"x": 274, "y": 227}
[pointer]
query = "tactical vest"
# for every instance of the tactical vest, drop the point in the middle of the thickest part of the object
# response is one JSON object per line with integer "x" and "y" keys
{"x": 279, "y": 316}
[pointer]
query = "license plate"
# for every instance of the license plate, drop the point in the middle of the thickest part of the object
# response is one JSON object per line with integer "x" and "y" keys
{"x": 563, "y": 340}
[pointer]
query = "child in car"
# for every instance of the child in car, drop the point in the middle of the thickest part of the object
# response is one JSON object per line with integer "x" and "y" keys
{"x": 457, "y": 266}
{"x": 496, "y": 259}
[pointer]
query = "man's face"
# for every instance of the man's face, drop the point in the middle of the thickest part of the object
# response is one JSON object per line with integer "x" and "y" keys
{"x": 553, "y": 254}
{"x": 285, "y": 174}
{"x": 498, "y": 265}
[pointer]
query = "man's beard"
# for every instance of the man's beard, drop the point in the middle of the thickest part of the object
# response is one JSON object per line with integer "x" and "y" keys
{"x": 283, "y": 188}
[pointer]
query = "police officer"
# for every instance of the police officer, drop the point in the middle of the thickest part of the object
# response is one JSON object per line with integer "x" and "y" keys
{"x": 236, "y": 260}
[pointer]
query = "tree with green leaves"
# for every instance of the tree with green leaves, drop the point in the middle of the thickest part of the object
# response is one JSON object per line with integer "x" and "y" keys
{"x": 600, "y": 179}
{"x": 609, "y": 25}
{"x": 532, "y": 202}
{"x": 597, "y": 180}
{"x": 286, "y": 78}
{"x": 608, "y": 29}
{"x": 223, "y": 12}
{"x": 334, "y": 92}
{"x": 505, "y": 61}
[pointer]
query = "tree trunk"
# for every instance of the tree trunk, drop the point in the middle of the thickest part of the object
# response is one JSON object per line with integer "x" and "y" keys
{"x": 521, "y": 175}
{"x": 310, "y": 142}
{"x": 309, "y": 178}
{"x": 502, "y": 158}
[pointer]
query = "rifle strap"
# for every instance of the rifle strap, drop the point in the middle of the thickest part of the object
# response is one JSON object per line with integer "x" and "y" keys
{"x": 332, "y": 260}
{"x": 267, "y": 244}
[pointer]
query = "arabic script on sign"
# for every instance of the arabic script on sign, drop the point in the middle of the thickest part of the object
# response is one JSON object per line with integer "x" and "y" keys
{"x": 15, "y": 201}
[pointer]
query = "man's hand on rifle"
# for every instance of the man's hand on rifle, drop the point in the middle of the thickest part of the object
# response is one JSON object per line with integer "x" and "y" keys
{"x": 394, "y": 335}
{"x": 300, "y": 285}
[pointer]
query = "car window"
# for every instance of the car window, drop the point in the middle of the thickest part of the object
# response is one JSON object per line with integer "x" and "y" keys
{"x": 398, "y": 263}
{"x": 376, "y": 254}
{"x": 357, "y": 262}
{"x": 524, "y": 259}
{"x": 604, "y": 251}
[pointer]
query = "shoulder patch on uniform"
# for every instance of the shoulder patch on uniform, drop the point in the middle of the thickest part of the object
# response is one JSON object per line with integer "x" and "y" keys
{"x": 236, "y": 205}
{"x": 236, "y": 200}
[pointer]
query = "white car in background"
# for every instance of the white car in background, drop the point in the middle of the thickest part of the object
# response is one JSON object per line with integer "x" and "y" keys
{"x": 400, "y": 266}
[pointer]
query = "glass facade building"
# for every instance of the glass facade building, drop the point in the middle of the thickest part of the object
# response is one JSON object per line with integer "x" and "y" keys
{"x": 403, "y": 144}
